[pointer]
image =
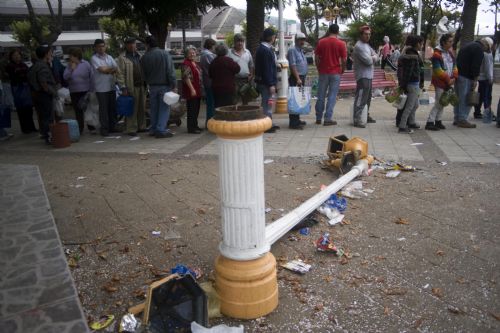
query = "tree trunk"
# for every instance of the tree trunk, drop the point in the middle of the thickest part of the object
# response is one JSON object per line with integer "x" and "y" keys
{"x": 302, "y": 24}
{"x": 255, "y": 23}
{"x": 468, "y": 21}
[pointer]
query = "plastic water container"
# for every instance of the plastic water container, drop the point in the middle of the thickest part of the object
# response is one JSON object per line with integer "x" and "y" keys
{"x": 170, "y": 98}
{"x": 424, "y": 98}
{"x": 74, "y": 130}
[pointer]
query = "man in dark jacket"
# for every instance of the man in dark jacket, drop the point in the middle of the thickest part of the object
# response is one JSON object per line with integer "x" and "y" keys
{"x": 469, "y": 62}
{"x": 43, "y": 88}
{"x": 266, "y": 75}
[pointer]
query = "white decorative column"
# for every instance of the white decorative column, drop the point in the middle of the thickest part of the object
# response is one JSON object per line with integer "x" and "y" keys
{"x": 241, "y": 171}
{"x": 245, "y": 271}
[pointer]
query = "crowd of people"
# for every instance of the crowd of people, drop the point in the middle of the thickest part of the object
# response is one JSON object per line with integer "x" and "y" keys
{"x": 220, "y": 75}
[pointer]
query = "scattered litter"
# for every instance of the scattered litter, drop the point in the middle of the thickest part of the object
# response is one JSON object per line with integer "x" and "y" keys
{"x": 401, "y": 239}
{"x": 281, "y": 209}
{"x": 213, "y": 300}
{"x": 156, "y": 233}
{"x": 197, "y": 328}
{"x": 135, "y": 138}
{"x": 173, "y": 218}
{"x": 292, "y": 238}
{"x": 437, "y": 292}
{"x": 401, "y": 220}
{"x": 332, "y": 214}
{"x": 305, "y": 231}
{"x": 354, "y": 190}
{"x": 268, "y": 210}
{"x": 297, "y": 266}
{"x": 171, "y": 234}
{"x": 338, "y": 203}
{"x": 416, "y": 144}
{"x": 100, "y": 141}
{"x": 113, "y": 137}
{"x": 81, "y": 178}
{"x": 103, "y": 322}
{"x": 129, "y": 323}
{"x": 183, "y": 270}
{"x": 268, "y": 161}
{"x": 426, "y": 286}
{"x": 323, "y": 244}
{"x": 143, "y": 153}
{"x": 308, "y": 222}
{"x": 454, "y": 309}
{"x": 393, "y": 173}
{"x": 441, "y": 163}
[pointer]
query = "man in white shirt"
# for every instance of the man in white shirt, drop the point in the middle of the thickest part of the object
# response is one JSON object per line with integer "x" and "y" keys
{"x": 244, "y": 58}
{"x": 104, "y": 83}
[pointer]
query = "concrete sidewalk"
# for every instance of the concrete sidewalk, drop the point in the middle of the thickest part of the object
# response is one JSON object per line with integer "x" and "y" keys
{"x": 452, "y": 145}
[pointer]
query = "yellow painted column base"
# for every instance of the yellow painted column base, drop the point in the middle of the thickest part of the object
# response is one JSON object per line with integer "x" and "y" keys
{"x": 247, "y": 289}
{"x": 282, "y": 105}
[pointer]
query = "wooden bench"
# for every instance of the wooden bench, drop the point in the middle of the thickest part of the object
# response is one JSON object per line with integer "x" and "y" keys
{"x": 381, "y": 79}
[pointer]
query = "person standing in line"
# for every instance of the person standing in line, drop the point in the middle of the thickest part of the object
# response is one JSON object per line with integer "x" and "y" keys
{"x": 444, "y": 74}
{"x": 469, "y": 62}
{"x": 386, "y": 54}
{"x": 485, "y": 80}
{"x": 80, "y": 77}
{"x": 330, "y": 58}
{"x": 411, "y": 80}
{"x": 17, "y": 72}
{"x": 191, "y": 89}
{"x": 206, "y": 58}
{"x": 159, "y": 74}
{"x": 244, "y": 59}
{"x": 364, "y": 58}
{"x": 298, "y": 68}
{"x": 104, "y": 83}
{"x": 43, "y": 89}
{"x": 131, "y": 82}
{"x": 266, "y": 74}
{"x": 222, "y": 71}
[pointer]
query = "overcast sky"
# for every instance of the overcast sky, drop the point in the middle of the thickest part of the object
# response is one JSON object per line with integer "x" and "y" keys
{"x": 486, "y": 21}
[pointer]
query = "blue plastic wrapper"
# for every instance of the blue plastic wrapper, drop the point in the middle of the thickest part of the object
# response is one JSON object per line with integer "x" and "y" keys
{"x": 182, "y": 270}
{"x": 305, "y": 231}
{"x": 340, "y": 203}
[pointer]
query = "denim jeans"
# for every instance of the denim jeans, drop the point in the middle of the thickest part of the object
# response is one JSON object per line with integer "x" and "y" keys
{"x": 437, "y": 110}
{"x": 159, "y": 110}
{"x": 462, "y": 87}
{"x": 332, "y": 83}
{"x": 107, "y": 111}
{"x": 484, "y": 90}
{"x": 265, "y": 96}
{"x": 411, "y": 106}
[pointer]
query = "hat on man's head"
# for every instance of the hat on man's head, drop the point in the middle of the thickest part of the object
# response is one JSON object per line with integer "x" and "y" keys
{"x": 268, "y": 33}
{"x": 300, "y": 35}
{"x": 130, "y": 40}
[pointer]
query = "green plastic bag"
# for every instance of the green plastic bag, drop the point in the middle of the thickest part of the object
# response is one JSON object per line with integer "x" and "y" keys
{"x": 453, "y": 98}
{"x": 444, "y": 100}
{"x": 248, "y": 92}
{"x": 393, "y": 95}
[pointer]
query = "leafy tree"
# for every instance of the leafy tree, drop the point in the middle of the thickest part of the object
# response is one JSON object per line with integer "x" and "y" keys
{"x": 155, "y": 15}
{"x": 229, "y": 39}
{"x": 382, "y": 24}
{"x": 255, "y": 21}
{"x": 38, "y": 30}
{"x": 117, "y": 30}
{"x": 468, "y": 20}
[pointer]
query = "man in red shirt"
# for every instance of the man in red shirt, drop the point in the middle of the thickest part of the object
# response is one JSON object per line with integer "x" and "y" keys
{"x": 330, "y": 57}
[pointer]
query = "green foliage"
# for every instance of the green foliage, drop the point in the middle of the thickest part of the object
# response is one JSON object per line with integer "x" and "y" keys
{"x": 229, "y": 39}
{"x": 87, "y": 54}
{"x": 117, "y": 30}
{"x": 21, "y": 32}
{"x": 382, "y": 24}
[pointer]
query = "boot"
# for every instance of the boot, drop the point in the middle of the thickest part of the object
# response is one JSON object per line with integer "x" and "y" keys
{"x": 439, "y": 124}
{"x": 431, "y": 127}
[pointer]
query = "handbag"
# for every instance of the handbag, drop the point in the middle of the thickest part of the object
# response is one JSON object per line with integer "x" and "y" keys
{"x": 472, "y": 98}
{"x": 125, "y": 105}
{"x": 299, "y": 100}
{"x": 22, "y": 96}
{"x": 92, "y": 111}
{"x": 58, "y": 105}
{"x": 400, "y": 101}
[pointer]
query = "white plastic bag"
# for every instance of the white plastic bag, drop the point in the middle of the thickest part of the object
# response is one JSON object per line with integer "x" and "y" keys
{"x": 58, "y": 104}
{"x": 400, "y": 102}
{"x": 197, "y": 328}
{"x": 171, "y": 98}
{"x": 299, "y": 100}
{"x": 92, "y": 111}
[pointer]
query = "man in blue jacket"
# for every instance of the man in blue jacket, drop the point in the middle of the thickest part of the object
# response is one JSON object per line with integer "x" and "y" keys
{"x": 266, "y": 74}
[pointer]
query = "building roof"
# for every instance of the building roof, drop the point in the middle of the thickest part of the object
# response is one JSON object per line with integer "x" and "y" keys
{"x": 18, "y": 7}
{"x": 65, "y": 39}
{"x": 222, "y": 20}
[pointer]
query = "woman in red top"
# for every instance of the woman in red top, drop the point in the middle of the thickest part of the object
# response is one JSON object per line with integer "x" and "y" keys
{"x": 222, "y": 71}
{"x": 191, "y": 89}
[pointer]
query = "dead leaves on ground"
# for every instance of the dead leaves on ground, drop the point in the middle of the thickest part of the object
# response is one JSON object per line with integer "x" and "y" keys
{"x": 401, "y": 220}
{"x": 437, "y": 292}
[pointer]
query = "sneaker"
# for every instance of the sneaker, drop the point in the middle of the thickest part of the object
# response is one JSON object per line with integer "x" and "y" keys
{"x": 414, "y": 126}
{"x": 359, "y": 125}
{"x": 329, "y": 123}
{"x": 296, "y": 127}
{"x": 303, "y": 123}
{"x": 163, "y": 135}
{"x": 271, "y": 130}
{"x": 370, "y": 120}
{"x": 318, "y": 122}
{"x": 405, "y": 131}
{"x": 439, "y": 124}
{"x": 431, "y": 127}
{"x": 276, "y": 127}
{"x": 465, "y": 124}
{"x": 194, "y": 131}
{"x": 478, "y": 116}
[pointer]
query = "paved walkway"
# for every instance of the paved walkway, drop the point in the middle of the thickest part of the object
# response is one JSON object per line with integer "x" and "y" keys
{"x": 452, "y": 145}
{"x": 37, "y": 293}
